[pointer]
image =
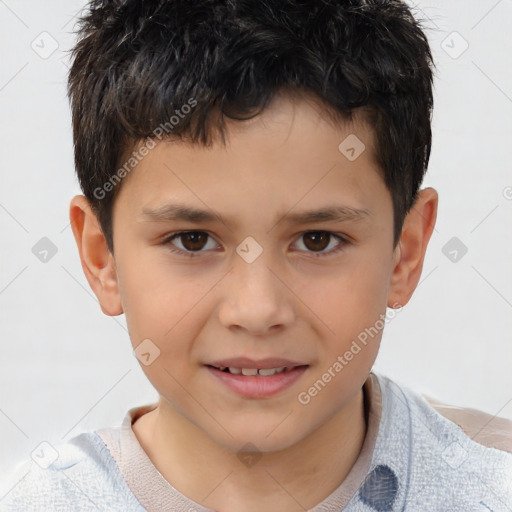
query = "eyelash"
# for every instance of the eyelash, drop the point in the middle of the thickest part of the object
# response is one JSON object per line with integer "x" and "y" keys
{"x": 191, "y": 254}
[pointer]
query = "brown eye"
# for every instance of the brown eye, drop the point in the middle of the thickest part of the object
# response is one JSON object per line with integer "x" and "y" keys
{"x": 189, "y": 243}
{"x": 317, "y": 240}
{"x": 316, "y": 243}
{"x": 193, "y": 241}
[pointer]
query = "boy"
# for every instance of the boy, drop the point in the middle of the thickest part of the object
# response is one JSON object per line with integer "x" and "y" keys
{"x": 216, "y": 143}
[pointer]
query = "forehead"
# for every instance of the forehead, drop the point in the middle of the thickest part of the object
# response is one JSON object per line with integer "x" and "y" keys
{"x": 291, "y": 152}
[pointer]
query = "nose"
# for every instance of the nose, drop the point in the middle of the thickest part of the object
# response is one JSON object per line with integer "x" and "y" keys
{"x": 257, "y": 298}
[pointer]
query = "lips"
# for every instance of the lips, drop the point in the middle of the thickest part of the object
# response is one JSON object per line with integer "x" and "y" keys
{"x": 257, "y": 383}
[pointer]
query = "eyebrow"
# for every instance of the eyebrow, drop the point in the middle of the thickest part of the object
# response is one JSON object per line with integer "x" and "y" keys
{"x": 182, "y": 212}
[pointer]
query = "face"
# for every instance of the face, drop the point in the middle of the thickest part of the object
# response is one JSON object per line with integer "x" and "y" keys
{"x": 255, "y": 277}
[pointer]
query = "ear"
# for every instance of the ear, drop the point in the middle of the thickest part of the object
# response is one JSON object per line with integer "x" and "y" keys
{"x": 97, "y": 261}
{"x": 410, "y": 250}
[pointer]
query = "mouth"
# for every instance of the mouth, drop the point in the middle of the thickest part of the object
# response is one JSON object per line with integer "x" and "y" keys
{"x": 257, "y": 379}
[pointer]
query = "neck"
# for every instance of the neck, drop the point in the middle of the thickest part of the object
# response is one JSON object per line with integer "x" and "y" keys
{"x": 281, "y": 480}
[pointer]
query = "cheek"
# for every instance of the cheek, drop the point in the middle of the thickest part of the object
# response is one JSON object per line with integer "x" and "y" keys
{"x": 164, "y": 305}
{"x": 352, "y": 308}
{"x": 161, "y": 307}
{"x": 152, "y": 301}
{"x": 350, "y": 296}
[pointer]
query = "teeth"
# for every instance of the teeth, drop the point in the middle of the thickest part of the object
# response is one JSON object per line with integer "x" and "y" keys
{"x": 254, "y": 371}
{"x": 267, "y": 371}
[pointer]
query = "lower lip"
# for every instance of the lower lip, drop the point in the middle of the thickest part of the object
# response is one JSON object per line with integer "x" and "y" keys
{"x": 258, "y": 386}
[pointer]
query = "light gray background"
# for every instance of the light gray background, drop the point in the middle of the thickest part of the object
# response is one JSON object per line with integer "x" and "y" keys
{"x": 65, "y": 367}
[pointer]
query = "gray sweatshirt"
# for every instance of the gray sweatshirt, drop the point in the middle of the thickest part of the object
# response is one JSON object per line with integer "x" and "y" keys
{"x": 414, "y": 458}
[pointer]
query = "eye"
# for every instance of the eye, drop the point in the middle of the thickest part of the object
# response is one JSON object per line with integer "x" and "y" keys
{"x": 192, "y": 242}
{"x": 318, "y": 241}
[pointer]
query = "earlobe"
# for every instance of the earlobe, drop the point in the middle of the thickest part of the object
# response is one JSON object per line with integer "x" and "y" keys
{"x": 410, "y": 251}
{"x": 97, "y": 261}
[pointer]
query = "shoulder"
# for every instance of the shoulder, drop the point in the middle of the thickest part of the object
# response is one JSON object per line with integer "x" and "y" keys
{"x": 77, "y": 475}
{"x": 449, "y": 455}
{"x": 480, "y": 427}
{"x": 485, "y": 429}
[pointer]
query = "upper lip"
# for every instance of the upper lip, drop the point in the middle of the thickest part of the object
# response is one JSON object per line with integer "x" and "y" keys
{"x": 244, "y": 362}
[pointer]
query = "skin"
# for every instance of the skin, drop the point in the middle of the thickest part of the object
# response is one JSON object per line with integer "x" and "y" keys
{"x": 287, "y": 303}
